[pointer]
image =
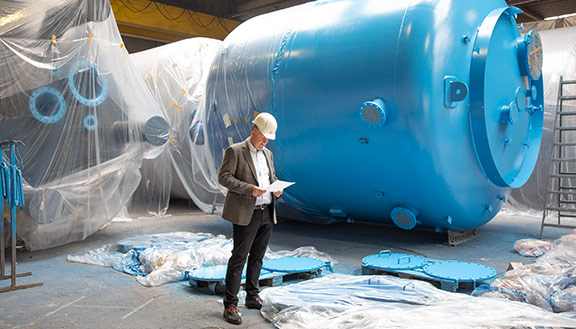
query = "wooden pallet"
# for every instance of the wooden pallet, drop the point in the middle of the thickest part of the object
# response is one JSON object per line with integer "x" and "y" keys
{"x": 267, "y": 279}
{"x": 448, "y": 285}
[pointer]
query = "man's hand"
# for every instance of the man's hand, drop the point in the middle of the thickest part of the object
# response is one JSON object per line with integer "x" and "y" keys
{"x": 256, "y": 192}
{"x": 278, "y": 193}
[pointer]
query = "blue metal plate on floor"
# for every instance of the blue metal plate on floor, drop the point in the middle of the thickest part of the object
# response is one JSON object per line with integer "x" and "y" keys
{"x": 386, "y": 260}
{"x": 211, "y": 273}
{"x": 293, "y": 264}
{"x": 459, "y": 271}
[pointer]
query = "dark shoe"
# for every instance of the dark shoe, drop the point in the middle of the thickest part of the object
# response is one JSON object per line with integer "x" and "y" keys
{"x": 232, "y": 315}
{"x": 254, "y": 303}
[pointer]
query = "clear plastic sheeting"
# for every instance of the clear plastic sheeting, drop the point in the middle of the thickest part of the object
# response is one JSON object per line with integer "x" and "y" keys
{"x": 162, "y": 258}
{"x": 69, "y": 91}
{"x": 176, "y": 75}
{"x": 104, "y": 256}
{"x": 532, "y": 247}
{"x": 550, "y": 24}
{"x": 345, "y": 301}
{"x": 559, "y": 53}
{"x": 549, "y": 283}
{"x": 169, "y": 262}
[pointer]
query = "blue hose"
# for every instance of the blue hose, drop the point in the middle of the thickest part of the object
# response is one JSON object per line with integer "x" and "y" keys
{"x": 18, "y": 197}
{"x": 17, "y": 167}
{"x": 3, "y": 189}
{"x": 4, "y": 179}
{"x": 11, "y": 174}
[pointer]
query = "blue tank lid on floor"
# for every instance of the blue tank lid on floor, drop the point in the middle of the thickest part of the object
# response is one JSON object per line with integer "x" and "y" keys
{"x": 211, "y": 273}
{"x": 386, "y": 260}
{"x": 459, "y": 271}
{"x": 294, "y": 264}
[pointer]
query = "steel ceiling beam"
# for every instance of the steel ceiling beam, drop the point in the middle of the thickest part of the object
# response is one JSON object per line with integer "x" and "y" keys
{"x": 146, "y": 19}
{"x": 531, "y": 14}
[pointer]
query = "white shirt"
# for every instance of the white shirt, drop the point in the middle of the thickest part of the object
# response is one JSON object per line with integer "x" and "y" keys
{"x": 263, "y": 173}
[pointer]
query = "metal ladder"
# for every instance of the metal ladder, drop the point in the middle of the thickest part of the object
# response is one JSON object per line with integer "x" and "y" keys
{"x": 561, "y": 185}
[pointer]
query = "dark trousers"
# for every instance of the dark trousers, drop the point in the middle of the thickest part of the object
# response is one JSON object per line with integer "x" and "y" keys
{"x": 250, "y": 242}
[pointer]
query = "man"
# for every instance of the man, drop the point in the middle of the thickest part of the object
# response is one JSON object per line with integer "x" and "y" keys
{"x": 247, "y": 169}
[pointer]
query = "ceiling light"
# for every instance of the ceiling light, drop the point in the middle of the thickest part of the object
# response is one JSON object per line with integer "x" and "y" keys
{"x": 558, "y": 17}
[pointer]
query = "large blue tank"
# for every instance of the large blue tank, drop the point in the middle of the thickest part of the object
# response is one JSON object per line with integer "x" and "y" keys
{"x": 424, "y": 112}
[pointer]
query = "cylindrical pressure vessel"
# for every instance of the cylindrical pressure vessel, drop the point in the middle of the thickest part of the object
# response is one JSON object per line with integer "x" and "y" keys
{"x": 421, "y": 113}
{"x": 70, "y": 93}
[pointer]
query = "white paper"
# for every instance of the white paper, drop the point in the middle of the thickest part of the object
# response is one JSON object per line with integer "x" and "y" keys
{"x": 278, "y": 185}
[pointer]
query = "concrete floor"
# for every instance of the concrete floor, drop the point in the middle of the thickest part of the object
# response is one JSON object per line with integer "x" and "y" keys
{"x": 85, "y": 296}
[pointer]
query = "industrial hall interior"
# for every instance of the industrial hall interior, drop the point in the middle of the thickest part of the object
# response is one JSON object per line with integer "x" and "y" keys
{"x": 287, "y": 164}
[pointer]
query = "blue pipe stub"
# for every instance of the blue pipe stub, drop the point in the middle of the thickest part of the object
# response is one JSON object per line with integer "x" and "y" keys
{"x": 373, "y": 113}
{"x": 386, "y": 260}
{"x": 530, "y": 54}
{"x": 87, "y": 84}
{"x": 459, "y": 271}
{"x": 293, "y": 264}
{"x": 90, "y": 122}
{"x": 156, "y": 131}
{"x": 404, "y": 217}
{"x": 47, "y": 105}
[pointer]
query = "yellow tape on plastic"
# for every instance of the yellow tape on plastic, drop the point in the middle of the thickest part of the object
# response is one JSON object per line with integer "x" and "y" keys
{"x": 53, "y": 38}
{"x": 178, "y": 107}
{"x": 226, "y": 118}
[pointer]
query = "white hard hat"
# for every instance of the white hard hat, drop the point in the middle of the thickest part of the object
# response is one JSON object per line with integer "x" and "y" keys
{"x": 266, "y": 124}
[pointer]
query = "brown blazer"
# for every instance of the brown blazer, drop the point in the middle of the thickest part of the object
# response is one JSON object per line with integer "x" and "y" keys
{"x": 238, "y": 174}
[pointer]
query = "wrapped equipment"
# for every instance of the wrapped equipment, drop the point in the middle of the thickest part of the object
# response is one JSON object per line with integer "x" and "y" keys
{"x": 176, "y": 75}
{"x": 69, "y": 91}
